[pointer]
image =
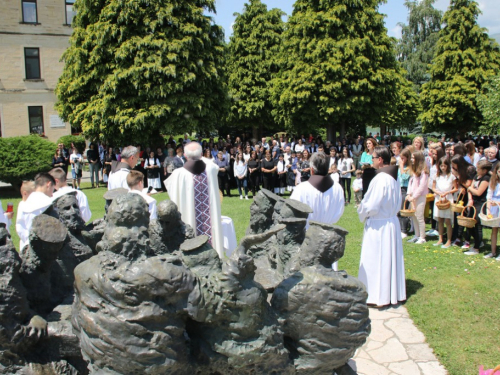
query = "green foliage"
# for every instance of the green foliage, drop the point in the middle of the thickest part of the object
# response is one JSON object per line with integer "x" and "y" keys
{"x": 21, "y": 158}
{"x": 416, "y": 47}
{"x": 338, "y": 66}
{"x": 465, "y": 59}
{"x": 139, "y": 68}
{"x": 77, "y": 140}
{"x": 252, "y": 64}
{"x": 489, "y": 103}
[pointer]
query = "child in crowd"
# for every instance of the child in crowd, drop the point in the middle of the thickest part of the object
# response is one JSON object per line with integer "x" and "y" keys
{"x": 444, "y": 186}
{"x": 335, "y": 174}
{"x": 417, "y": 192}
{"x": 477, "y": 196}
{"x": 493, "y": 195}
{"x": 357, "y": 186}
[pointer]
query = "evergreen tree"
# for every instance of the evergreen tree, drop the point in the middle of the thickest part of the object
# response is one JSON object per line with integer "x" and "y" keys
{"x": 252, "y": 63}
{"x": 465, "y": 59}
{"x": 489, "y": 103}
{"x": 339, "y": 66}
{"x": 416, "y": 47}
{"x": 138, "y": 68}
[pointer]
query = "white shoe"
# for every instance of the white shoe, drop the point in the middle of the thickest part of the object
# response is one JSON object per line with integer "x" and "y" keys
{"x": 246, "y": 197}
{"x": 432, "y": 233}
{"x": 403, "y": 235}
{"x": 241, "y": 196}
{"x": 420, "y": 241}
{"x": 413, "y": 240}
{"x": 472, "y": 252}
{"x": 498, "y": 258}
{"x": 488, "y": 256}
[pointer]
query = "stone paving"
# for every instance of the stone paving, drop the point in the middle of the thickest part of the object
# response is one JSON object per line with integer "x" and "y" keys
{"x": 395, "y": 346}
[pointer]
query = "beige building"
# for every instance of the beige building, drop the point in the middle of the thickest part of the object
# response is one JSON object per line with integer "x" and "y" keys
{"x": 33, "y": 36}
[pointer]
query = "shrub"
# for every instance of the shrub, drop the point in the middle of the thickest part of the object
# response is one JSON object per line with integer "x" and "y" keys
{"x": 77, "y": 140}
{"x": 21, "y": 158}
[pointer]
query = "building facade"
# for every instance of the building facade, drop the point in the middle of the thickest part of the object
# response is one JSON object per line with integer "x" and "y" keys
{"x": 33, "y": 36}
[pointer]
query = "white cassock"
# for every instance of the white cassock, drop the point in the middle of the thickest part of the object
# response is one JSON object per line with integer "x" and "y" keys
{"x": 83, "y": 202}
{"x": 36, "y": 204}
{"x": 150, "y": 201}
{"x": 327, "y": 207}
{"x": 381, "y": 267}
{"x": 118, "y": 179}
{"x": 20, "y": 224}
{"x": 180, "y": 187}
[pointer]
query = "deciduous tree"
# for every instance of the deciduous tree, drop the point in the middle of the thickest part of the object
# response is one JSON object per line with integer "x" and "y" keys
{"x": 416, "y": 47}
{"x": 138, "y": 68}
{"x": 465, "y": 59}
{"x": 489, "y": 103}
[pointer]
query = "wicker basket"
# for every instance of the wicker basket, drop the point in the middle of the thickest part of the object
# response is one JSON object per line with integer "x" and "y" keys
{"x": 429, "y": 197}
{"x": 407, "y": 212}
{"x": 492, "y": 223}
{"x": 443, "y": 204}
{"x": 468, "y": 222}
{"x": 455, "y": 207}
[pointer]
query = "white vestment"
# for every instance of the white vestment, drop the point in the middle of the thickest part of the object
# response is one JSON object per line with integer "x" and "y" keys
{"x": 83, "y": 202}
{"x": 381, "y": 267}
{"x": 180, "y": 187}
{"x": 36, "y": 204}
{"x": 118, "y": 179}
{"x": 327, "y": 207}
{"x": 3, "y": 218}
{"x": 150, "y": 201}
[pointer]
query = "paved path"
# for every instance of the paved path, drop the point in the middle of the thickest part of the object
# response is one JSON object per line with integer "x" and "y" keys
{"x": 395, "y": 346}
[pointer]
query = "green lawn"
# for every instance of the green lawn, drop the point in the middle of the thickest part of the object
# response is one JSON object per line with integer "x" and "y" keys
{"x": 454, "y": 299}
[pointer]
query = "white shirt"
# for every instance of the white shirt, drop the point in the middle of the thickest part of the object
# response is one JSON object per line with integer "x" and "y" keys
{"x": 3, "y": 218}
{"x": 150, "y": 201}
{"x": 36, "y": 204}
{"x": 118, "y": 179}
{"x": 344, "y": 165}
{"x": 83, "y": 202}
{"x": 75, "y": 160}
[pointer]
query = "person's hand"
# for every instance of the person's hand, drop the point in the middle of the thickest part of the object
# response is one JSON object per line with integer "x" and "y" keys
{"x": 36, "y": 329}
{"x": 470, "y": 203}
{"x": 9, "y": 215}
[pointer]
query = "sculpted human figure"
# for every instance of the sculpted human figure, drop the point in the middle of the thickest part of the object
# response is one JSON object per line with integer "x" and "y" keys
{"x": 126, "y": 294}
{"x": 316, "y": 293}
{"x": 75, "y": 249}
{"x": 20, "y": 326}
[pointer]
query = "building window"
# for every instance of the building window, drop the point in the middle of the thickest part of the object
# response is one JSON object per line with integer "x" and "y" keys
{"x": 35, "y": 114}
{"x": 32, "y": 63}
{"x": 29, "y": 11}
{"x": 70, "y": 12}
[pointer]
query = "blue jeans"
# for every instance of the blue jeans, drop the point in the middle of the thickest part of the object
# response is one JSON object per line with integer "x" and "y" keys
{"x": 242, "y": 183}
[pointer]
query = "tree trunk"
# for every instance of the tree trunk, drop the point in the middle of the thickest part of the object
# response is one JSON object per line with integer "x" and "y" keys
{"x": 383, "y": 130}
{"x": 330, "y": 133}
{"x": 342, "y": 131}
{"x": 256, "y": 132}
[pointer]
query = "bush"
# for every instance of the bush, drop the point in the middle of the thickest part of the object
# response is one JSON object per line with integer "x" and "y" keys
{"x": 77, "y": 140}
{"x": 21, "y": 158}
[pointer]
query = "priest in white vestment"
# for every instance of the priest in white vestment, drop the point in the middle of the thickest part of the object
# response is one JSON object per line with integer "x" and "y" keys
{"x": 321, "y": 193}
{"x": 381, "y": 267}
{"x": 119, "y": 171}
{"x": 205, "y": 202}
{"x": 63, "y": 188}
{"x": 36, "y": 204}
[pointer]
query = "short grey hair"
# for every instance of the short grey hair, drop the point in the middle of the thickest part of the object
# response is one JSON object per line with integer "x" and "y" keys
{"x": 129, "y": 151}
{"x": 320, "y": 163}
{"x": 193, "y": 151}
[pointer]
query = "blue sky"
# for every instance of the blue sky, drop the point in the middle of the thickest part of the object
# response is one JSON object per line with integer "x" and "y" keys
{"x": 394, "y": 9}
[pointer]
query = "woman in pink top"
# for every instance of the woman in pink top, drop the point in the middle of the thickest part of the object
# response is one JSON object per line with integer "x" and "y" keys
{"x": 417, "y": 192}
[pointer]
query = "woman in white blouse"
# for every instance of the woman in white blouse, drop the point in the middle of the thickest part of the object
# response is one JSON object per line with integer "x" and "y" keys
{"x": 345, "y": 166}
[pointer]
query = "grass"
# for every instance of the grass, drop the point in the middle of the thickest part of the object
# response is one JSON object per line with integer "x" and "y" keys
{"x": 453, "y": 299}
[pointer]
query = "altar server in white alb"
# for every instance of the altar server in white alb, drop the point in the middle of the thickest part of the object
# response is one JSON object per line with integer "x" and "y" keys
{"x": 36, "y": 204}
{"x": 63, "y": 188}
{"x": 195, "y": 191}
{"x": 135, "y": 181}
{"x": 382, "y": 267}
{"x": 320, "y": 192}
